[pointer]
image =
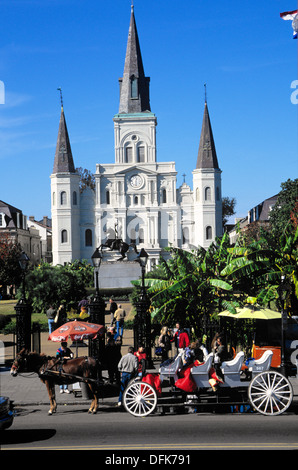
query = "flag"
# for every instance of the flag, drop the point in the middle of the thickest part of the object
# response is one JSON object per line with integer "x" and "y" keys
{"x": 291, "y": 15}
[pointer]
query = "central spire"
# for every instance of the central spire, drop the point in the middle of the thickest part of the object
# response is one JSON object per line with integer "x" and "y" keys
{"x": 134, "y": 86}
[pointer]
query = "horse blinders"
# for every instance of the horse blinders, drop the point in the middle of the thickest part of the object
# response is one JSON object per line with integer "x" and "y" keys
{"x": 19, "y": 363}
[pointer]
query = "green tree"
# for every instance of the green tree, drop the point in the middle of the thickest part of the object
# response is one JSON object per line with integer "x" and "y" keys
{"x": 191, "y": 287}
{"x": 87, "y": 179}
{"x": 261, "y": 266}
{"x": 285, "y": 208}
{"x": 52, "y": 285}
{"x": 10, "y": 272}
{"x": 228, "y": 209}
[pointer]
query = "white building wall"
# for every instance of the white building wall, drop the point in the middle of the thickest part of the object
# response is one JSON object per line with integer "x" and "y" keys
{"x": 65, "y": 217}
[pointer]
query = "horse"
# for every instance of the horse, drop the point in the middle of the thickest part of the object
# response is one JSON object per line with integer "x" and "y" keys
{"x": 119, "y": 245}
{"x": 53, "y": 371}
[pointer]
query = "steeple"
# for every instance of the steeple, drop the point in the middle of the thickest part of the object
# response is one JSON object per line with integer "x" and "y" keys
{"x": 134, "y": 86}
{"x": 207, "y": 154}
{"x": 63, "y": 162}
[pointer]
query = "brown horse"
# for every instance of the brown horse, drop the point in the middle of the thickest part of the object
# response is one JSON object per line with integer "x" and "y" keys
{"x": 53, "y": 371}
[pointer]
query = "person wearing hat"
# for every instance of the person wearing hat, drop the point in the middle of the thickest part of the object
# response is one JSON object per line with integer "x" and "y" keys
{"x": 64, "y": 353}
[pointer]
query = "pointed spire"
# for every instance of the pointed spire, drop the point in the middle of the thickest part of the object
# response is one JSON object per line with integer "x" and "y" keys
{"x": 207, "y": 157}
{"x": 63, "y": 162}
{"x": 134, "y": 86}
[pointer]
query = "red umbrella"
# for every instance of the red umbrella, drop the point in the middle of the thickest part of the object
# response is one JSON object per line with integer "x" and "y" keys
{"x": 76, "y": 330}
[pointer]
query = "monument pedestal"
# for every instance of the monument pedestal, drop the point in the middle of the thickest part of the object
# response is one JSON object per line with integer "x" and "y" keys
{"x": 117, "y": 274}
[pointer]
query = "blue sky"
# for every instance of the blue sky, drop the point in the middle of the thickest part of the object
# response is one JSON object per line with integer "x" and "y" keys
{"x": 243, "y": 51}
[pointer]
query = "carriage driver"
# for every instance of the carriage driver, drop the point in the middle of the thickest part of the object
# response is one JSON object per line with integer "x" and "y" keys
{"x": 64, "y": 353}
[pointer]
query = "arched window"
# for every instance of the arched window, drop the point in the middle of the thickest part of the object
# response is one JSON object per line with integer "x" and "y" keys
{"x": 164, "y": 196}
{"x": 128, "y": 155}
{"x": 64, "y": 236}
{"x": 74, "y": 198}
{"x": 141, "y": 154}
{"x": 207, "y": 194}
{"x": 88, "y": 237}
{"x": 185, "y": 235}
{"x": 208, "y": 233}
{"x": 63, "y": 199}
{"x": 108, "y": 197}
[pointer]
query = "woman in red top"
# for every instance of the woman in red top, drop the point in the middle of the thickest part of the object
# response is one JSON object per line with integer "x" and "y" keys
{"x": 183, "y": 340}
{"x": 141, "y": 355}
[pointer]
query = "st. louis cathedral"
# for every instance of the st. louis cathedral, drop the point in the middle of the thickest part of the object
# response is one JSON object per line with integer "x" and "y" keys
{"x": 135, "y": 198}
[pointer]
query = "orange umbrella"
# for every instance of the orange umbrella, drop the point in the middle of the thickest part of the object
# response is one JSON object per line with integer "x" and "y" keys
{"x": 76, "y": 331}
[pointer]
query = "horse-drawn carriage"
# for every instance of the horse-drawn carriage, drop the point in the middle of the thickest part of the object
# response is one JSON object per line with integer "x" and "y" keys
{"x": 256, "y": 386}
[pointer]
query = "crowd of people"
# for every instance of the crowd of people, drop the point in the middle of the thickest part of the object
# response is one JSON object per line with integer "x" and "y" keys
{"x": 193, "y": 353}
{"x": 122, "y": 368}
{"x": 179, "y": 336}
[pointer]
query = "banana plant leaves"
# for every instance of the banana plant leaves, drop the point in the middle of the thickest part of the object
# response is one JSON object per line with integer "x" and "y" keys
{"x": 251, "y": 312}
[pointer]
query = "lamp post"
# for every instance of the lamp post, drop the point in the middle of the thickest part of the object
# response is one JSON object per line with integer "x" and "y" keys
{"x": 282, "y": 292}
{"x": 97, "y": 310}
{"x": 142, "y": 321}
{"x": 23, "y": 311}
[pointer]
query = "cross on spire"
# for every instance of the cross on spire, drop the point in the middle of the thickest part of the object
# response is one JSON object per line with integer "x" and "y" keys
{"x": 61, "y": 98}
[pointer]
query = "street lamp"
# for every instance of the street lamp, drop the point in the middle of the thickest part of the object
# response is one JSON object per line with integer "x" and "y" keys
{"x": 283, "y": 290}
{"x": 97, "y": 310}
{"x": 96, "y": 260}
{"x": 23, "y": 262}
{"x": 142, "y": 320}
{"x": 23, "y": 311}
{"x": 142, "y": 258}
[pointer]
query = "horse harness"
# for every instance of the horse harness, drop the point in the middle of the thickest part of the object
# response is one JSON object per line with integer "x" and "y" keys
{"x": 45, "y": 370}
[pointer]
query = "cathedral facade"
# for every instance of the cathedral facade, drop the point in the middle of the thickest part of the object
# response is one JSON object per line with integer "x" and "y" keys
{"x": 136, "y": 198}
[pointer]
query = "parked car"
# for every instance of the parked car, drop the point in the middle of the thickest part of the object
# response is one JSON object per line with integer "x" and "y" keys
{"x": 6, "y": 413}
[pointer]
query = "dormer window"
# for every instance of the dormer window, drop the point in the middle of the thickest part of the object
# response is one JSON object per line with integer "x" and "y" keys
{"x": 134, "y": 93}
{"x": 2, "y": 220}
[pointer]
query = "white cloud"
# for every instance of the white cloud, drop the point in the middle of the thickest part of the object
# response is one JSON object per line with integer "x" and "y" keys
{"x": 13, "y": 99}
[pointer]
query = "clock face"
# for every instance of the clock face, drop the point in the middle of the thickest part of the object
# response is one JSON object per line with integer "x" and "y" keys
{"x": 136, "y": 181}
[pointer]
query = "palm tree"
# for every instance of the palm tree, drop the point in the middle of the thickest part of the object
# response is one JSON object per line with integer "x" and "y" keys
{"x": 191, "y": 288}
{"x": 260, "y": 268}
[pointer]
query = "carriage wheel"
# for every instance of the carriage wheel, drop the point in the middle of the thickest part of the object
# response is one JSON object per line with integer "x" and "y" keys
{"x": 270, "y": 393}
{"x": 140, "y": 399}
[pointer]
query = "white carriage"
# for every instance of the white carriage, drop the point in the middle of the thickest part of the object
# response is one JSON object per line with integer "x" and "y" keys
{"x": 266, "y": 390}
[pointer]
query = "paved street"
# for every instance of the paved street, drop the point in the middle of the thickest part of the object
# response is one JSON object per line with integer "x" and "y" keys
{"x": 111, "y": 430}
